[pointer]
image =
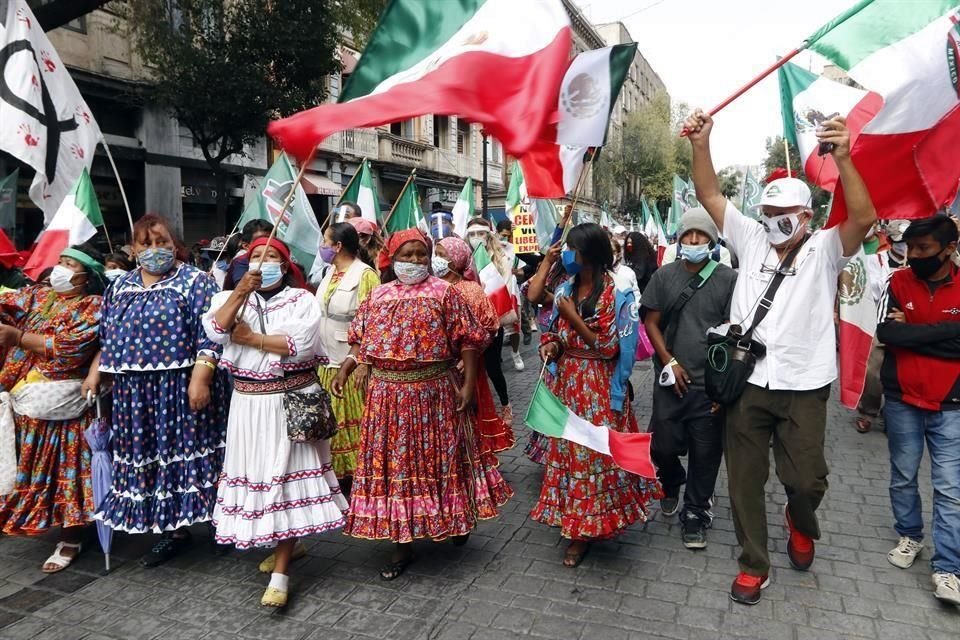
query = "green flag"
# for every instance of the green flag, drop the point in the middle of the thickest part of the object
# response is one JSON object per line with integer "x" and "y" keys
{"x": 8, "y": 201}
{"x": 751, "y": 195}
{"x": 406, "y": 212}
{"x": 362, "y": 191}
{"x": 297, "y": 226}
{"x": 517, "y": 192}
{"x": 677, "y": 206}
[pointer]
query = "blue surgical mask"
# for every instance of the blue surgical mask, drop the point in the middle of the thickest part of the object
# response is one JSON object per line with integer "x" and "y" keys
{"x": 410, "y": 272}
{"x": 694, "y": 253}
{"x": 270, "y": 274}
{"x": 570, "y": 264}
{"x": 441, "y": 266}
{"x": 113, "y": 274}
{"x": 156, "y": 260}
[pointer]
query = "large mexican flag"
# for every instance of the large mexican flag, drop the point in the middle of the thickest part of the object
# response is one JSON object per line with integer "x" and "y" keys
{"x": 361, "y": 191}
{"x": 908, "y": 54}
{"x": 587, "y": 96}
{"x": 497, "y": 63}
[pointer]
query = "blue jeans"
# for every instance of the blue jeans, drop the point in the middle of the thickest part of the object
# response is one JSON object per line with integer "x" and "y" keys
{"x": 908, "y": 428}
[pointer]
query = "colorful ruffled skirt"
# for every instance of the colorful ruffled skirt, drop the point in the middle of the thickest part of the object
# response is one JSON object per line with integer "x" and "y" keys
{"x": 166, "y": 458}
{"x": 273, "y": 489}
{"x": 348, "y": 410}
{"x": 53, "y": 486}
{"x": 495, "y": 434}
{"x": 420, "y": 473}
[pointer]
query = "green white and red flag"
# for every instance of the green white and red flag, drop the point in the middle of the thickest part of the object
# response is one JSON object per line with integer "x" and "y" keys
{"x": 75, "y": 222}
{"x": 497, "y": 63}
{"x": 630, "y": 451}
{"x": 363, "y": 192}
{"x": 858, "y": 325}
{"x": 907, "y": 53}
{"x": 587, "y": 96}
{"x": 494, "y": 286}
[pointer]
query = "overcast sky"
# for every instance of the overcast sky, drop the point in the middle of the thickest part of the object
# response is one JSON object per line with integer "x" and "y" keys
{"x": 705, "y": 49}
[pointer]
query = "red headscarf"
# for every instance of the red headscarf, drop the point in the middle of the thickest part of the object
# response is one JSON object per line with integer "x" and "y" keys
{"x": 459, "y": 255}
{"x": 296, "y": 275}
{"x": 362, "y": 225}
{"x": 401, "y": 238}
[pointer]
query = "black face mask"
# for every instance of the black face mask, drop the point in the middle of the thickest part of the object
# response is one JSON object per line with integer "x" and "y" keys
{"x": 924, "y": 268}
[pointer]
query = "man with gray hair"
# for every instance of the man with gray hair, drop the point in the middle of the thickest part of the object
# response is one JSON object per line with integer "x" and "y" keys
{"x": 682, "y": 301}
{"x": 788, "y": 281}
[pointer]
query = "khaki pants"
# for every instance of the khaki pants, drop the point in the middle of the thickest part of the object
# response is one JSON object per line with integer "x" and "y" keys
{"x": 796, "y": 421}
{"x": 872, "y": 399}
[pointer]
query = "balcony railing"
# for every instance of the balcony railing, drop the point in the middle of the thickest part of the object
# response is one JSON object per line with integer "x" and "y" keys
{"x": 360, "y": 143}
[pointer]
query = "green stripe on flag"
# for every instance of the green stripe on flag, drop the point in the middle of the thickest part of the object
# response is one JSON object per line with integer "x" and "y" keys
{"x": 86, "y": 199}
{"x": 793, "y": 81}
{"x": 546, "y": 413}
{"x": 871, "y": 25}
{"x": 621, "y": 57}
{"x": 481, "y": 258}
{"x": 408, "y": 32}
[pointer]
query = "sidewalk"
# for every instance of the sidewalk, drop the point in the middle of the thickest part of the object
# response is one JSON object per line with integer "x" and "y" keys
{"x": 508, "y": 581}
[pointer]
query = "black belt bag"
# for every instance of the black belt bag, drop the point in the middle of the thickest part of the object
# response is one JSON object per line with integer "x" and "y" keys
{"x": 732, "y": 357}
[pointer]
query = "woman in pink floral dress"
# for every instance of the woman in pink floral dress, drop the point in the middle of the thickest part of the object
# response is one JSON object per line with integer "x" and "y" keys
{"x": 418, "y": 473}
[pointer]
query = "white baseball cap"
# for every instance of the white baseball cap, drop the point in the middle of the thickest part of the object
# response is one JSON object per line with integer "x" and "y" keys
{"x": 786, "y": 193}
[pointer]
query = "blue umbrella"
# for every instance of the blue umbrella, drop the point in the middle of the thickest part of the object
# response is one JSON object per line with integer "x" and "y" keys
{"x": 98, "y": 436}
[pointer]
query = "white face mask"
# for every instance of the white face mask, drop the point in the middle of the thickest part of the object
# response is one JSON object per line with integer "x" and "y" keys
{"x": 781, "y": 229}
{"x": 60, "y": 279}
{"x": 410, "y": 272}
{"x": 441, "y": 266}
{"x": 113, "y": 274}
{"x": 475, "y": 240}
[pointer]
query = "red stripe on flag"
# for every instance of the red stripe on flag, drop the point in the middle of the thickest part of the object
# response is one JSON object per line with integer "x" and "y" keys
{"x": 511, "y": 97}
{"x": 47, "y": 252}
{"x": 543, "y": 169}
{"x": 822, "y": 168}
{"x": 908, "y": 175}
{"x": 502, "y": 301}
{"x": 631, "y": 452}
{"x": 855, "y": 346}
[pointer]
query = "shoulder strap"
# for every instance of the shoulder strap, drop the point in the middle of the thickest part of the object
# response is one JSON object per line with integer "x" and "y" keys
{"x": 766, "y": 301}
{"x": 693, "y": 285}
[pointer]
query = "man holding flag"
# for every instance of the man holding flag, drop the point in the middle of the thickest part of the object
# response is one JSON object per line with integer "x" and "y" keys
{"x": 785, "y": 396}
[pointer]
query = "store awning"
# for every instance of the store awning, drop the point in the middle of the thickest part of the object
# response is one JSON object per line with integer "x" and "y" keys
{"x": 316, "y": 184}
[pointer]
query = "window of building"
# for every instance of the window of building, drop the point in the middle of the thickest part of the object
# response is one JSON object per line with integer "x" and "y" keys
{"x": 441, "y": 132}
{"x": 402, "y": 129}
{"x": 79, "y": 25}
{"x": 463, "y": 136}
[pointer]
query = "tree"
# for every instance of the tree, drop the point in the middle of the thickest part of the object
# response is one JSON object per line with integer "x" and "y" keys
{"x": 730, "y": 181}
{"x": 226, "y": 68}
{"x": 57, "y": 13}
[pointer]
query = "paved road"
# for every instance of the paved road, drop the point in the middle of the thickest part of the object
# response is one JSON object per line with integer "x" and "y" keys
{"x": 508, "y": 581}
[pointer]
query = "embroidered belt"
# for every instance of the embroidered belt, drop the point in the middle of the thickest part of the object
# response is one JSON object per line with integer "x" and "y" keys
{"x": 583, "y": 354}
{"x": 291, "y": 382}
{"x": 430, "y": 372}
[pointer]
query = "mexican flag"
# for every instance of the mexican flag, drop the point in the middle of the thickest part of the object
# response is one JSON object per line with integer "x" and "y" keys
{"x": 463, "y": 209}
{"x": 406, "y": 212}
{"x": 493, "y": 283}
{"x": 75, "y": 222}
{"x": 497, "y": 63}
{"x": 679, "y": 204}
{"x": 858, "y": 325}
{"x": 751, "y": 195}
{"x": 652, "y": 225}
{"x": 361, "y": 191}
{"x": 908, "y": 54}
{"x": 549, "y": 416}
{"x": 297, "y": 225}
{"x": 588, "y": 95}
{"x": 516, "y": 190}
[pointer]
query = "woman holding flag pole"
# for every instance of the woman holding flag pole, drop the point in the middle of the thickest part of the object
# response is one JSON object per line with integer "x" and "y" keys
{"x": 584, "y": 492}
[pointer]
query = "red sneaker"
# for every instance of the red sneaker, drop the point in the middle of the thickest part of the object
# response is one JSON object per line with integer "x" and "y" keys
{"x": 746, "y": 588}
{"x": 800, "y": 547}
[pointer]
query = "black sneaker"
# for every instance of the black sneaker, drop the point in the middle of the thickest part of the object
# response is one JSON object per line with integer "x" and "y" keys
{"x": 167, "y": 548}
{"x": 694, "y": 533}
{"x": 669, "y": 506}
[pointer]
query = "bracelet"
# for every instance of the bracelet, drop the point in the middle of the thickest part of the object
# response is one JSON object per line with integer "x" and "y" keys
{"x": 208, "y": 364}
{"x": 350, "y": 356}
{"x": 20, "y": 339}
{"x": 672, "y": 362}
{"x": 262, "y": 337}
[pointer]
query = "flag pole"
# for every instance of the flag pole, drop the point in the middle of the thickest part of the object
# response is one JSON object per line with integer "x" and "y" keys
{"x": 386, "y": 221}
{"x": 326, "y": 221}
{"x": 786, "y": 155}
{"x": 576, "y": 192}
{"x": 109, "y": 244}
{"x": 287, "y": 201}
{"x": 123, "y": 193}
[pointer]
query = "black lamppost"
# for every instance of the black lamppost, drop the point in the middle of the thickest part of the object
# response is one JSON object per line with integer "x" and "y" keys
{"x": 483, "y": 189}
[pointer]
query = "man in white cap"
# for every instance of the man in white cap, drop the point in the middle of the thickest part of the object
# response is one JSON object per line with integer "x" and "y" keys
{"x": 682, "y": 301}
{"x": 785, "y": 398}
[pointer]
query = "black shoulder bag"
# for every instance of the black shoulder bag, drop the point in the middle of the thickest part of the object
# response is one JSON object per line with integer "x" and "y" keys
{"x": 731, "y": 358}
{"x": 673, "y": 312}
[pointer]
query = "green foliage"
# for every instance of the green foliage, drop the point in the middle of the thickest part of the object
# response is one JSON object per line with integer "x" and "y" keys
{"x": 357, "y": 18}
{"x": 776, "y": 159}
{"x": 730, "y": 182}
{"x": 225, "y": 68}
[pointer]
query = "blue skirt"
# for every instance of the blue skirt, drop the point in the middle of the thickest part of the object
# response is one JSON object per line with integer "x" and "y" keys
{"x": 166, "y": 458}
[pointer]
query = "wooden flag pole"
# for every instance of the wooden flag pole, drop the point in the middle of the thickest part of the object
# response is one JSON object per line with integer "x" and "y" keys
{"x": 288, "y": 200}
{"x": 568, "y": 215}
{"x": 786, "y": 155}
{"x": 109, "y": 244}
{"x": 326, "y": 222}
{"x": 123, "y": 193}
{"x": 386, "y": 221}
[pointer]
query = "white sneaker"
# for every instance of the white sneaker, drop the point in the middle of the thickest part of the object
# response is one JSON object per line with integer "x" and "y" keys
{"x": 947, "y": 587}
{"x": 517, "y": 361}
{"x": 905, "y": 553}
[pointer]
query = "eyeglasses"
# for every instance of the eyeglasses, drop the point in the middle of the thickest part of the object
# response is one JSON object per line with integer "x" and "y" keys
{"x": 792, "y": 271}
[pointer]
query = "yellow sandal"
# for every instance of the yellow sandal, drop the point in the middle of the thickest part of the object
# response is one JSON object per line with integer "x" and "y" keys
{"x": 270, "y": 562}
{"x": 274, "y": 597}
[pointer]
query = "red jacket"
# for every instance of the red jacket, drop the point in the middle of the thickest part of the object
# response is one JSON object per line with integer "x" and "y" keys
{"x": 921, "y": 365}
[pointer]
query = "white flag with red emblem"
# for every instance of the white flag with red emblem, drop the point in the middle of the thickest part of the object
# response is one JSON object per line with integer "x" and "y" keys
{"x": 44, "y": 121}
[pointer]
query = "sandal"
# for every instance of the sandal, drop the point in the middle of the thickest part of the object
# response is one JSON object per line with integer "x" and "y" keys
{"x": 395, "y": 569}
{"x": 274, "y": 598}
{"x": 270, "y": 562}
{"x": 864, "y": 424}
{"x": 59, "y": 560}
{"x": 572, "y": 559}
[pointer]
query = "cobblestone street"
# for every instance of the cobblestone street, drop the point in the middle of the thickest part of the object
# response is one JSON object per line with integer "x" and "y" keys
{"x": 508, "y": 581}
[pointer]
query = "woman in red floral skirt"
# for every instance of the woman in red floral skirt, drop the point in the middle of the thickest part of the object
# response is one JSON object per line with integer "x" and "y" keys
{"x": 584, "y": 492}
